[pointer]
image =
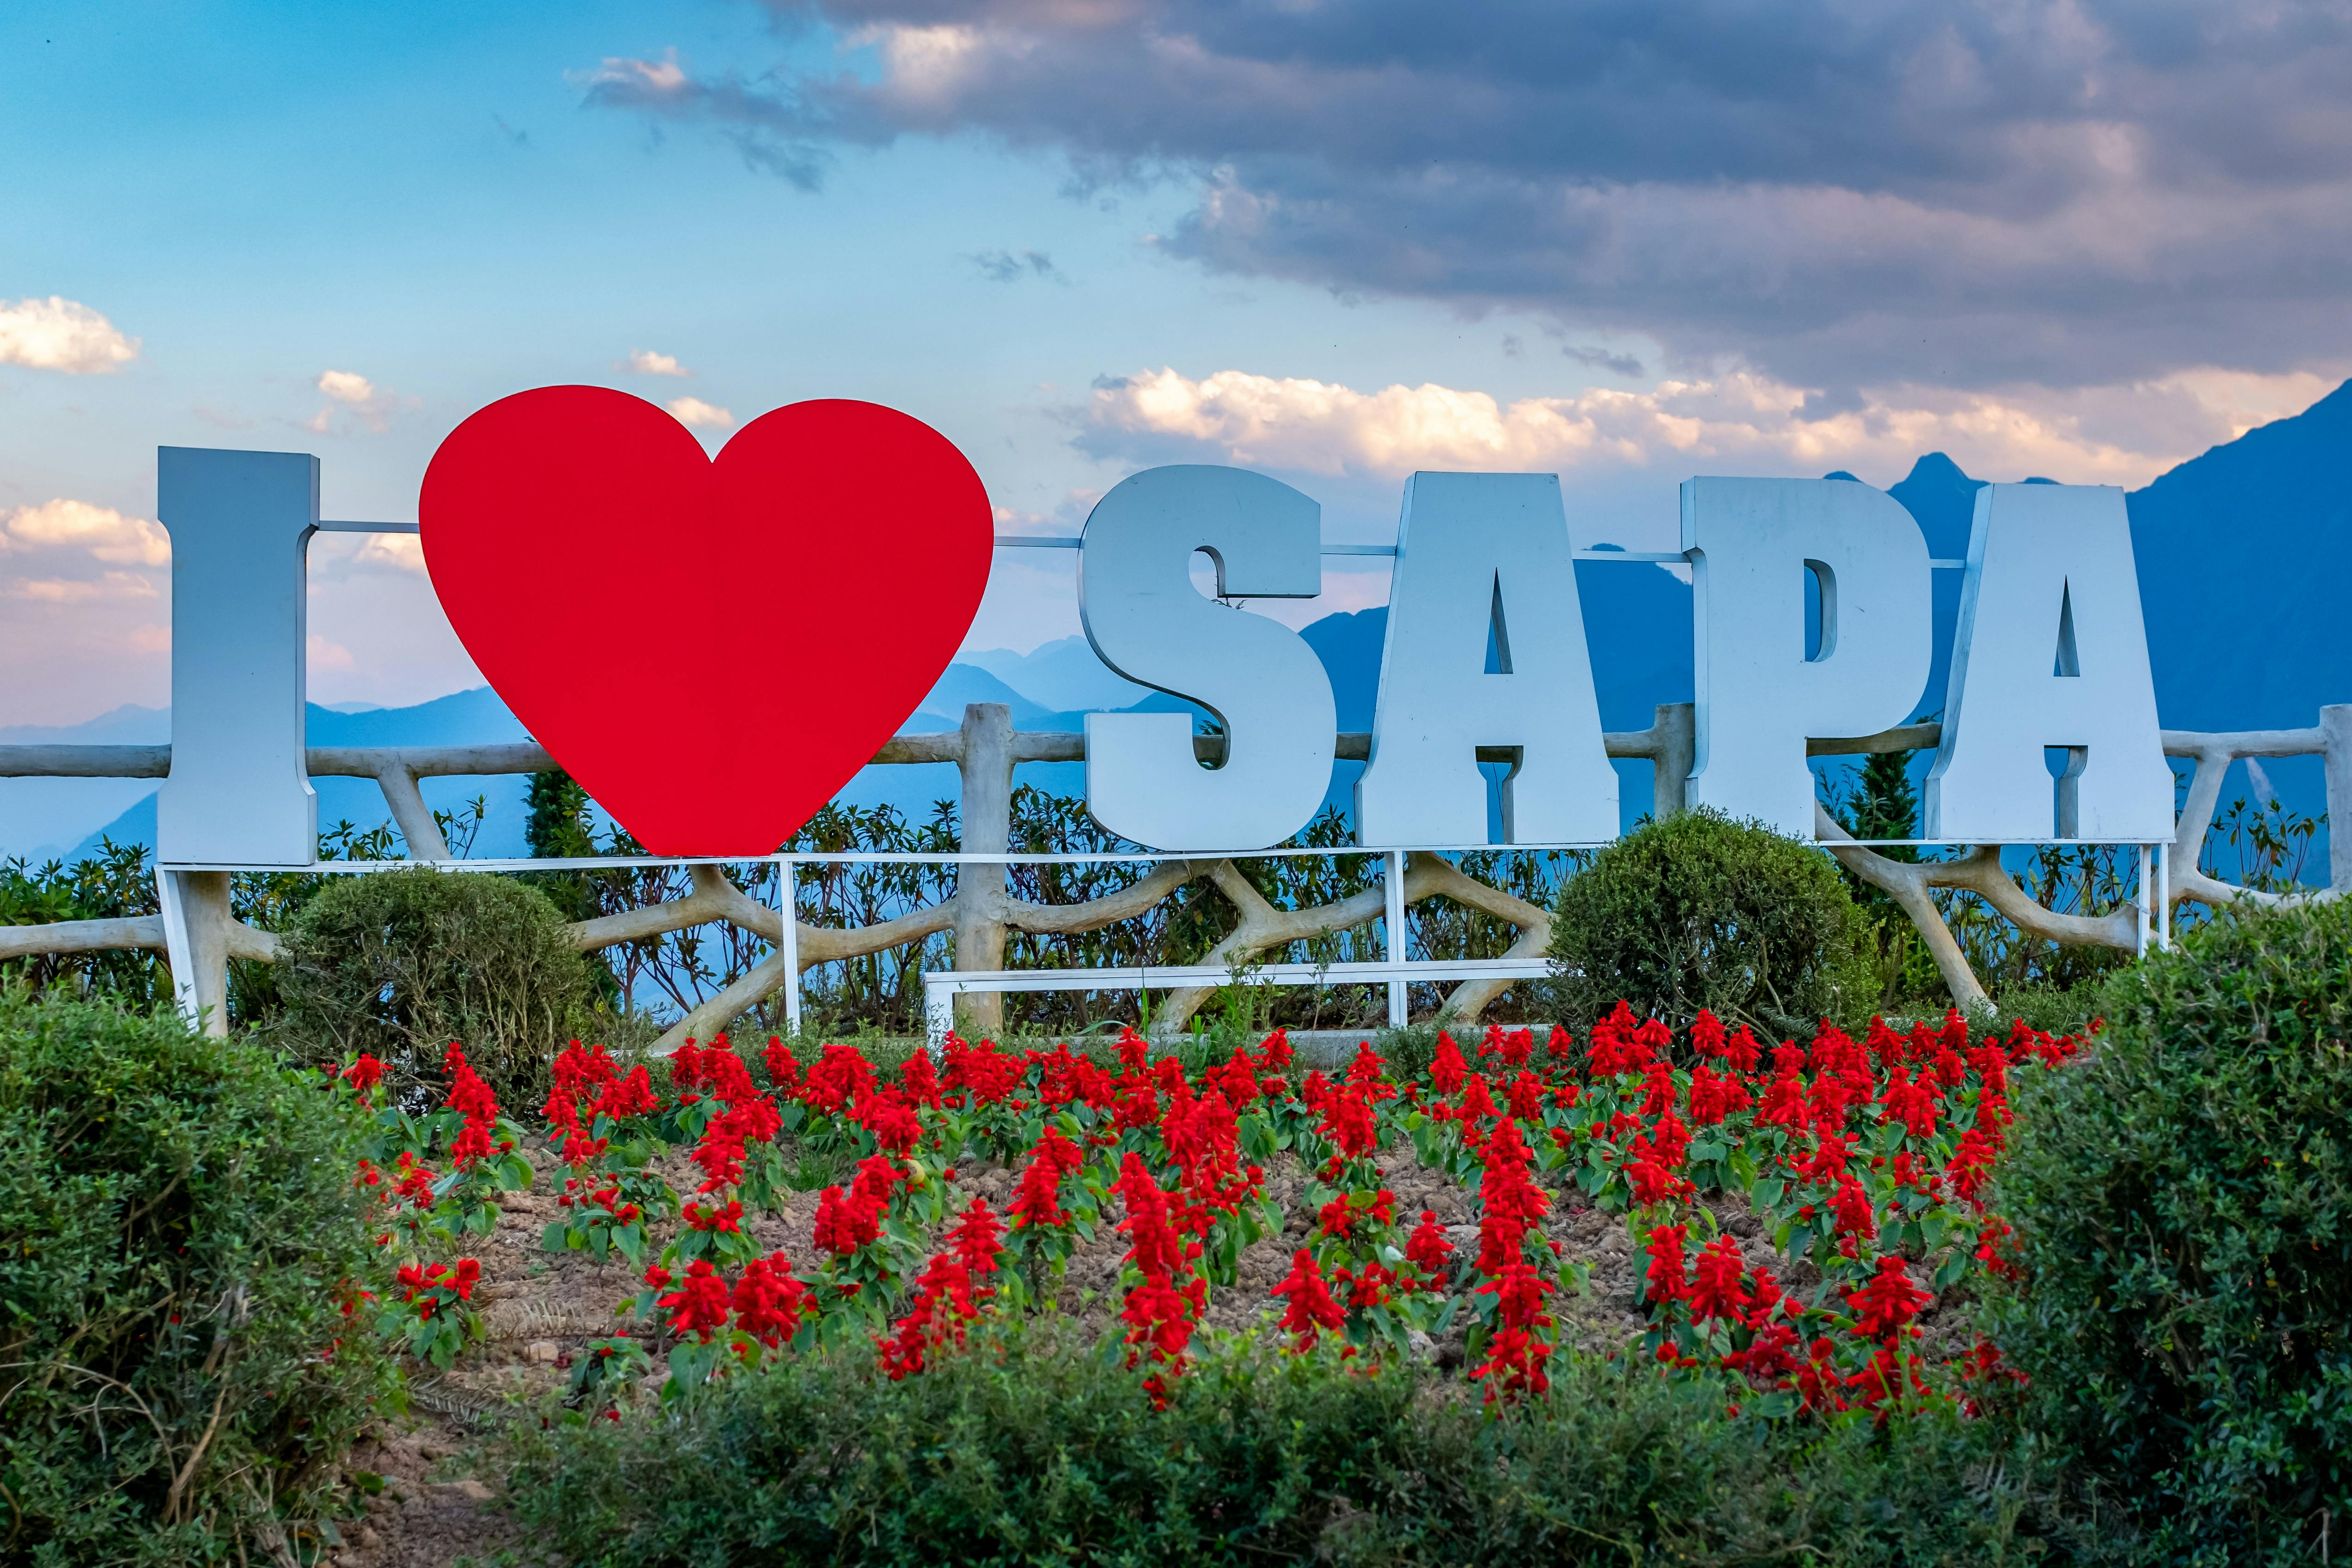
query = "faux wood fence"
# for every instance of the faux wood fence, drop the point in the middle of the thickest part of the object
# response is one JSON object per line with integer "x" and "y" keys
{"x": 986, "y": 748}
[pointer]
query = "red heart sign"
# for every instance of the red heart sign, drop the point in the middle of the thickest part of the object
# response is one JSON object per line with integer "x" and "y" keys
{"x": 713, "y": 646}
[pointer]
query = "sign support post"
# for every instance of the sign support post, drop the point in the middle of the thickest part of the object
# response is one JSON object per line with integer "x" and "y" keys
{"x": 788, "y": 900}
{"x": 1395, "y": 889}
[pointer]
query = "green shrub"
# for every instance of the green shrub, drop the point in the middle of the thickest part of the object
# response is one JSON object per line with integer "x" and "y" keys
{"x": 178, "y": 1231}
{"x": 1702, "y": 911}
{"x": 2052, "y": 1009}
{"x": 1034, "y": 1448}
{"x": 2183, "y": 1207}
{"x": 399, "y": 964}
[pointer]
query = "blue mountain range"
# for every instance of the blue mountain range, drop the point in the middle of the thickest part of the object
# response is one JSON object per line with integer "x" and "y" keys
{"x": 2243, "y": 553}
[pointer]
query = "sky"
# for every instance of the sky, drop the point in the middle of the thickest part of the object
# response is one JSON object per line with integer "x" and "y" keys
{"x": 1338, "y": 243}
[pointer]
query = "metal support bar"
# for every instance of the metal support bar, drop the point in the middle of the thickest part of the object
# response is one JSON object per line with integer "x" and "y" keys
{"x": 1394, "y": 890}
{"x": 788, "y": 900}
{"x": 2163, "y": 897}
{"x": 941, "y": 986}
{"x": 2146, "y": 901}
{"x": 178, "y": 951}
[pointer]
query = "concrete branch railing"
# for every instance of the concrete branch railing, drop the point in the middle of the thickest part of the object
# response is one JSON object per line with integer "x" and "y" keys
{"x": 985, "y": 749}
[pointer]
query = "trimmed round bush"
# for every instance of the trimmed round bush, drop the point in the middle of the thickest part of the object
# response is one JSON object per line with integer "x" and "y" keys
{"x": 2182, "y": 1201}
{"x": 1701, "y": 912}
{"x": 399, "y": 964}
{"x": 179, "y": 1235}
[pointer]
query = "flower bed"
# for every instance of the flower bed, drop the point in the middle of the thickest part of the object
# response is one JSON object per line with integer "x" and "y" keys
{"x": 1795, "y": 1216}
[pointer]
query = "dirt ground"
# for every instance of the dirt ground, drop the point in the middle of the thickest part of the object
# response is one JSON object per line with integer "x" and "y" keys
{"x": 437, "y": 1505}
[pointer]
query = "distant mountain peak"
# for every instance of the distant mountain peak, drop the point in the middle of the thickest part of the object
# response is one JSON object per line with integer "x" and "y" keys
{"x": 1936, "y": 469}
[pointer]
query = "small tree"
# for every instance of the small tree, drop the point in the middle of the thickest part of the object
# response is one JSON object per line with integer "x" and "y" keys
{"x": 399, "y": 963}
{"x": 1700, "y": 911}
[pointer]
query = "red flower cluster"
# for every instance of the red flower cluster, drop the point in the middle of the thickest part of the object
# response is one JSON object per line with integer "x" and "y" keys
{"x": 947, "y": 1294}
{"x": 1310, "y": 1309}
{"x": 1855, "y": 1155}
{"x": 433, "y": 1288}
{"x": 1162, "y": 1310}
{"x": 472, "y": 1098}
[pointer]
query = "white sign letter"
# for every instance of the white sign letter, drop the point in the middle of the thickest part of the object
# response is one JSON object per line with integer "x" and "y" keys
{"x": 2051, "y": 651}
{"x": 1752, "y": 543}
{"x": 1264, "y": 685}
{"x": 1485, "y": 649}
{"x": 239, "y": 789}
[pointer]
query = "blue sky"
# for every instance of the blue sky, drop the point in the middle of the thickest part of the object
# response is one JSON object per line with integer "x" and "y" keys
{"x": 1334, "y": 242}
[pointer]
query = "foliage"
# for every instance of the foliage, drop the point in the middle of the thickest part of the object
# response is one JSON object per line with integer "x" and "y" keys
{"x": 2183, "y": 1209}
{"x": 118, "y": 882}
{"x": 1700, "y": 912}
{"x": 882, "y": 990}
{"x": 113, "y": 884}
{"x": 2271, "y": 844}
{"x": 397, "y": 964}
{"x": 1026, "y": 1448}
{"x": 184, "y": 1249}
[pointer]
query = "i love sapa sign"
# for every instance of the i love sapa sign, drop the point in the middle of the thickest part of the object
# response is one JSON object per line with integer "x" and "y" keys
{"x": 713, "y": 646}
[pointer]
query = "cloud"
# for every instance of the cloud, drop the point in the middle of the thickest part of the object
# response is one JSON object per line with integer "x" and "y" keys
{"x": 645, "y": 361}
{"x": 59, "y": 334}
{"x": 766, "y": 134}
{"x": 695, "y": 411}
{"x": 1736, "y": 422}
{"x": 1973, "y": 192}
{"x": 359, "y": 398}
{"x": 103, "y": 532}
{"x": 1011, "y": 267}
{"x": 82, "y": 591}
{"x": 1601, "y": 358}
{"x": 320, "y": 655}
{"x": 399, "y": 552}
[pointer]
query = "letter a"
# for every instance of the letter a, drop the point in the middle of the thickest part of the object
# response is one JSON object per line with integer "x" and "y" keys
{"x": 2051, "y": 651}
{"x": 1484, "y": 649}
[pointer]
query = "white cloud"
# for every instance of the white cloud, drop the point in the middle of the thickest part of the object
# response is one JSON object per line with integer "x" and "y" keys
{"x": 646, "y": 361}
{"x": 76, "y": 591}
{"x": 105, "y": 533}
{"x": 694, "y": 410}
{"x": 372, "y": 406}
{"x": 60, "y": 335}
{"x": 347, "y": 386}
{"x": 322, "y": 655}
{"x": 400, "y": 551}
{"x": 654, "y": 78}
{"x": 1732, "y": 422}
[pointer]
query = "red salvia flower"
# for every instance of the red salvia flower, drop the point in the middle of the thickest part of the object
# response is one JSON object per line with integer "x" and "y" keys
{"x": 978, "y": 1240}
{"x": 716, "y": 1219}
{"x": 1665, "y": 1282}
{"x": 1310, "y": 1309}
{"x": 1717, "y": 1292}
{"x": 1448, "y": 1070}
{"x": 699, "y": 1306}
{"x": 1888, "y": 1302}
{"x": 770, "y": 1301}
{"x": 363, "y": 1075}
{"x": 1852, "y": 1210}
{"x": 1428, "y": 1249}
